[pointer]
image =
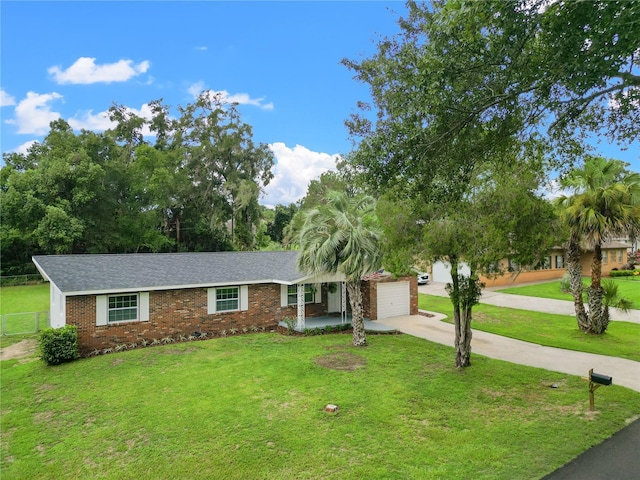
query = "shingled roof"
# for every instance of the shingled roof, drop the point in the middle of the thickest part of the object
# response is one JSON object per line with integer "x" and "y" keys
{"x": 157, "y": 271}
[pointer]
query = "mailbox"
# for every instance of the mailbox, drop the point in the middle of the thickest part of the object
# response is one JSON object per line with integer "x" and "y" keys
{"x": 601, "y": 379}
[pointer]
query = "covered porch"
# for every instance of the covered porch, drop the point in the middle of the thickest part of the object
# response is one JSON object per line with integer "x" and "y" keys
{"x": 320, "y": 323}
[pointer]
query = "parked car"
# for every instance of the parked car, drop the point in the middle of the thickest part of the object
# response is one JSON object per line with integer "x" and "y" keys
{"x": 423, "y": 278}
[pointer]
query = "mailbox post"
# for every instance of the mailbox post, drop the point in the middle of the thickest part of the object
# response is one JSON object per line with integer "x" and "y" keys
{"x": 596, "y": 380}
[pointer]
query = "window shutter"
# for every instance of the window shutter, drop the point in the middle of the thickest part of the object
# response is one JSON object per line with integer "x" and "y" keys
{"x": 244, "y": 297}
{"x": 101, "y": 310}
{"x": 317, "y": 297}
{"x": 284, "y": 295}
{"x": 211, "y": 300}
{"x": 144, "y": 306}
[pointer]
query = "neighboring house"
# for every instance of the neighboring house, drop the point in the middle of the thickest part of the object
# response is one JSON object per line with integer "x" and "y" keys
{"x": 116, "y": 299}
{"x": 614, "y": 255}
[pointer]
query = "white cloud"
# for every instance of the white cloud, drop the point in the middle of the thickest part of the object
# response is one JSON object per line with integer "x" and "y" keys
{"x": 88, "y": 121}
{"x": 24, "y": 147}
{"x": 240, "y": 98}
{"x": 85, "y": 71}
{"x": 6, "y": 100}
{"x": 100, "y": 122}
{"x": 33, "y": 114}
{"x": 294, "y": 169}
{"x": 202, "y": 48}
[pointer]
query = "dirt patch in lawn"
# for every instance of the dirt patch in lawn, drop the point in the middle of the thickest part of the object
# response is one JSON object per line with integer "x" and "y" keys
{"x": 344, "y": 361}
{"x": 23, "y": 349}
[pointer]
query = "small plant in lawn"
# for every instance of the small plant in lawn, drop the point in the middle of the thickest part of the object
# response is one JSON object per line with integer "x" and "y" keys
{"x": 167, "y": 340}
{"x": 59, "y": 345}
{"x": 565, "y": 284}
{"x": 328, "y": 329}
{"x": 133, "y": 345}
{"x": 307, "y": 331}
{"x": 245, "y": 330}
{"x": 120, "y": 347}
{"x": 255, "y": 329}
{"x": 223, "y": 333}
{"x": 233, "y": 331}
{"x": 182, "y": 338}
{"x": 107, "y": 351}
{"x": 93, "y": 353}
{"x": 155, "y": 342}
{"x": 144, "y": 342}
{"x": 203, "y": 335}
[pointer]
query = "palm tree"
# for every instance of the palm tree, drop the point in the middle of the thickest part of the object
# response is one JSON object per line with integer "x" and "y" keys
{"x": 342, "y": 235}
{"x": 605, "y": 203}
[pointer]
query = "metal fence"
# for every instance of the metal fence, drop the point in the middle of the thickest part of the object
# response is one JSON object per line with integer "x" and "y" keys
{"x": 13, "y": 280}
{"x": 23, "y": 323}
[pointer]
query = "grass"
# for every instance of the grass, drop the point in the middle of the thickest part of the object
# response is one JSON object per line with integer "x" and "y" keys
{"x": 31, "y": 298}
{"x": 22, "y": 299}
{"x": 620, "y": 340}
{"x": 628, "y": 287}
{"x": 251, "y": 407}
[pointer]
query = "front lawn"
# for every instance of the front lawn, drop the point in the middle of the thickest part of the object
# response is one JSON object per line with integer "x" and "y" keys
{"x": 620, "y": 340}
{"x": 628, "y": 287}
{"x": 252, "y": 407}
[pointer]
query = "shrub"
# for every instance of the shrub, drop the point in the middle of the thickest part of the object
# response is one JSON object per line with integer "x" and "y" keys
{"x": 622, "y": 273}
{"x": 565, "y": 284}
{"x": 59, "y": 345}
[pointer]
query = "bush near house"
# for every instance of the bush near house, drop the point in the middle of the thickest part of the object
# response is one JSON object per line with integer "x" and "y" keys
{"x": 59, "y": 345}
{"x": 624, "y": 273}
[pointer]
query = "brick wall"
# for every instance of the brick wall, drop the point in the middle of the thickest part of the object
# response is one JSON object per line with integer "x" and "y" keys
{"x": 181, "y": 312}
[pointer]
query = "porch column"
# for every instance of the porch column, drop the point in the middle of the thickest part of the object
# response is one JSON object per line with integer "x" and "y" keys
{"x": 343, "y": 313}
{"x": 300, "y": 296}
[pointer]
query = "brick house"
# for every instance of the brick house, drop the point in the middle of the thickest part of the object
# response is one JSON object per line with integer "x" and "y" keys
{"x": 614, "y": 255}
{"x": 116, "y": 299}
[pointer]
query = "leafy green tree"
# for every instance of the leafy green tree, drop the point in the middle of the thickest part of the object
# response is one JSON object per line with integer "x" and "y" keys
{"x": 605, "y": 203}
{"x": 451, "y": 143}
{"x": 342, "y": 235}
{"x": 282, "y": 218}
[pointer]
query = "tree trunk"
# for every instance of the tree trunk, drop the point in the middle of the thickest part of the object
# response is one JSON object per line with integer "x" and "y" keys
{"x": 598, "y": 321}
{"x": 464, "y": 293}
{"x": 357, "y": 319}
{"x": 463, "y": 338}
{"x": 574, "y": 270}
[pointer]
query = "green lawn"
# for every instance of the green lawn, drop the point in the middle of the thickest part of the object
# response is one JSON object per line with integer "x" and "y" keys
{"x": 251, "y": 407}
{"x": 22, "y": 299}
{"x": 30, "y": 298}
{"x": 620, "y": 340}
{"x": 628, "y": 287}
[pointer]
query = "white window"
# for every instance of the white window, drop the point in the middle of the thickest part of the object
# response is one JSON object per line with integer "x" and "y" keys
{"x": 122, "y": 308}
{"x": 605, "y": 257}
{"x": 129, "y": 307}
{"x": 292, "y": 294}
{"x": 620, "y": 256}
{"x": 227, "y": 299}
{"x": 559, "y": 261}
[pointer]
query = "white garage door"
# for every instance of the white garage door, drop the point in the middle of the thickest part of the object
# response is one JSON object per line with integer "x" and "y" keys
{"x": 393, "y": 299}
{"x": 441, "y": 271}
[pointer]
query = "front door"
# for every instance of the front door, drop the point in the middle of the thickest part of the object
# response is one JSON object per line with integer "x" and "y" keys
{"x": 334, "y": 302}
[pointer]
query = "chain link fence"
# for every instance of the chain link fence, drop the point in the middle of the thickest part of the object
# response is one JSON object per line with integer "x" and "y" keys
{"x": 23, "y": 323}
{"x": 13, "y": 280}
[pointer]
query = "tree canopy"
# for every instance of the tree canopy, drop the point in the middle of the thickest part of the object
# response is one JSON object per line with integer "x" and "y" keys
{"x": 191, "y": 183}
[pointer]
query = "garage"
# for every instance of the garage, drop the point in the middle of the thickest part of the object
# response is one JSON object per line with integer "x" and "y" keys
{"x": 393, "y": 299}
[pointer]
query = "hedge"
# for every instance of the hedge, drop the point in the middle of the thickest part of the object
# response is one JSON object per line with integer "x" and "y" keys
{"x": 624, "y": 273}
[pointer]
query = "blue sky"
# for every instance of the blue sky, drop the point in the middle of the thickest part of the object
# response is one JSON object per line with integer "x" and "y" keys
{"x": 279, "y": 60}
